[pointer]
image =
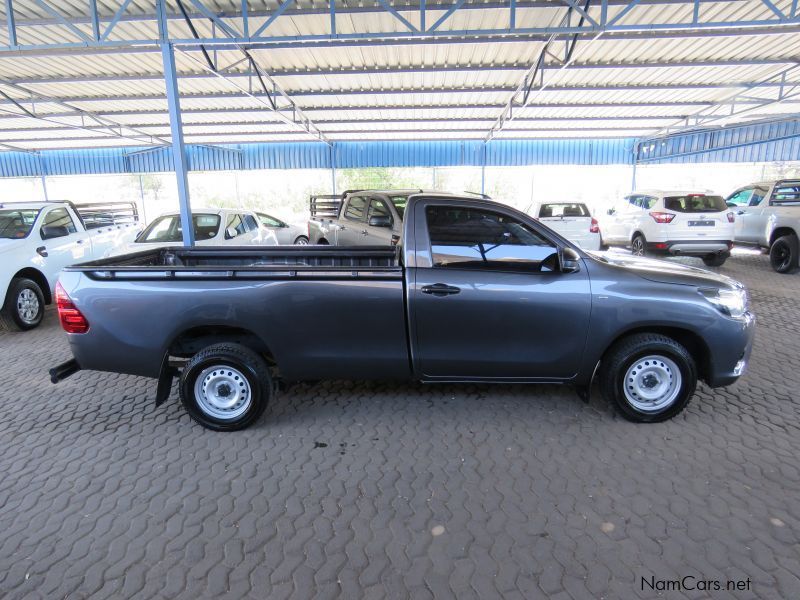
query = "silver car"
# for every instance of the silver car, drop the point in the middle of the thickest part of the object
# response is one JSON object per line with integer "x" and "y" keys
{"x": 286, "y": 233}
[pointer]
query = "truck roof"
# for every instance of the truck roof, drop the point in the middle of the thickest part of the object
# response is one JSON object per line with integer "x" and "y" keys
{"x": 37, "y": 205}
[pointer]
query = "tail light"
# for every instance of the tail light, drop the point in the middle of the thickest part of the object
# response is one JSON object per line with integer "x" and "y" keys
{"x": 72, "y": 320}
{"x": 662, "y": 217}
{"x": 595, "y": 226}
{"x": 731, "y": 217}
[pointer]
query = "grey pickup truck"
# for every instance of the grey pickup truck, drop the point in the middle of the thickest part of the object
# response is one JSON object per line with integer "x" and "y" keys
{"x": 476, "y": 291}
{"x": 358, "y": 218}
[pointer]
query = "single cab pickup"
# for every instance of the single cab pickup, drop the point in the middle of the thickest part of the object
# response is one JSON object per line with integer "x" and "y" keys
{"x": 38, "y": 239}
{"x": 476, "y": 291}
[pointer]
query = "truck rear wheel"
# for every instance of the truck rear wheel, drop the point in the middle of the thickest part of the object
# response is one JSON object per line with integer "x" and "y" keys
{"x": 226, "y": 387}
{"x": 783, "y": 254}
{"x": 24, "y": 305}
{"x": 649, "y": 377}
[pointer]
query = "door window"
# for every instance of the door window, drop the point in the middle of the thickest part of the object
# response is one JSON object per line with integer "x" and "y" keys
{"x": 237, "y": 223}
{"x": 356, "y": 207}
{"x": 378, "y": 208}
{"x": 268, "y": 221}
{"x": 59, "y": 217}
{"x": 250, "y": 222}
{"x": 467, "y": 238}
{"x": 741, "y": 198}
{"x": 786, "y": 194}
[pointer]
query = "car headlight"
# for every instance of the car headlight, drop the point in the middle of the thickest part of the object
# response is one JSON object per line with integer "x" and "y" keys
{"x": 729, "y": 302}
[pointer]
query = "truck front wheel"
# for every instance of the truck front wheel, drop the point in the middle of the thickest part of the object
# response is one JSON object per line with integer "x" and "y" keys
{"x": 24, "y": 305}
{"x": 649, "y": 377}
{"x": 226, "y": 387}
{"x": 783, "y": 254}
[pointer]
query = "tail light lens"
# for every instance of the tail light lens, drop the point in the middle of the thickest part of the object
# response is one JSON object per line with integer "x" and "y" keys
{"x": 72, "y": 320}
{"x": 662, "y": 217}
{"x": 731, "y": 217}
{"x": 594, "y": 227}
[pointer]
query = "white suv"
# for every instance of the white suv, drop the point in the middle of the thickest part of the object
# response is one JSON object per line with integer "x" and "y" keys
{"x": 676, "y": 223}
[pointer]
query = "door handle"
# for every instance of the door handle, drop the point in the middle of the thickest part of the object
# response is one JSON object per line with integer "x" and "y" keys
{"x": 80, "y": 241}
{"x": 440, "y": 289}
{"x": 741, "y": 212}
{"x": 42, "y": 251}
{"x": 364, "y": 232}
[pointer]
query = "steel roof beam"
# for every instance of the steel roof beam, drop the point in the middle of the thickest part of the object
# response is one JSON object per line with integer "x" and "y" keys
{"x": 224, "y": 33}
{"x": 403, "y": 70}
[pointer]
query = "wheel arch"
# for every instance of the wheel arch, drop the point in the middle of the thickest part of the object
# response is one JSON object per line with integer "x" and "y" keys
{"x": 323, "y": 241}
{"x": 779, "y": 232}
{"x": 37, "y": 276}
{"x": 694, "y": 344}
{"x": 190, "y": 341}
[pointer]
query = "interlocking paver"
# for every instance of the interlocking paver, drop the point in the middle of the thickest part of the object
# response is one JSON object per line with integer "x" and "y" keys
{"x": 532, "y": 492}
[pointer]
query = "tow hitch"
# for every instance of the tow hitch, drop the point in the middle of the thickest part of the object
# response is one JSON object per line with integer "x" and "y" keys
{"x": 64, "y": 370}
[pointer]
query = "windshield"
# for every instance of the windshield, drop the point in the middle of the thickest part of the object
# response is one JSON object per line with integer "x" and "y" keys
{"x": 695, "y": 203}
{"x": 168, "y": 229}
{"x": 563, "y": 210}
{"x": 399, "y": 204}
{"x": 16, "y": 224}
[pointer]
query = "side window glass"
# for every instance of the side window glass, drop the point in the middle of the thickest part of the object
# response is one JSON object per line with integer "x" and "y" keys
{"x": 741, "y": 198}
{"x": 648, "y": 202}
{"x": 470, "y": 238}
{"x": 250, "y": 222}
{"x": 269, "y": 221}
{"x": 356, "y": 207}
{"x": 378, "y": 208}
{"x": 635, "y": 201}
{"x": 786, "y": 194}
{"x": 59, "y": 217}
{"x": 236, "y": 222}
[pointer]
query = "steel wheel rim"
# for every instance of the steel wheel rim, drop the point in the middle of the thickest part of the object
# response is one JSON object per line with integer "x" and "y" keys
{"x": 28, "y": 305}
{"x": 223, "y": 392}
{"x": 652, "y": 383}
{"x": 638, "y": 247}
{"x": 301, "y": 242}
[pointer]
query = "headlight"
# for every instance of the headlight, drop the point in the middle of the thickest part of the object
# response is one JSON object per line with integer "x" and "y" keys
{"x": 729, "y": 302}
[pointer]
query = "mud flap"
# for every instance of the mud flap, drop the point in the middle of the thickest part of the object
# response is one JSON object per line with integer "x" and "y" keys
{"x": 168, "y": 373}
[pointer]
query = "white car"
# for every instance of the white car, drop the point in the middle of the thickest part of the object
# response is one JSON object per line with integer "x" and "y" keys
{"x": 38, "y": 239}
{"x": 286, "y": 233}
{"x": 212, "y": 227}
{"x": 672, "y": 223}
{"x": 571, "y": 220}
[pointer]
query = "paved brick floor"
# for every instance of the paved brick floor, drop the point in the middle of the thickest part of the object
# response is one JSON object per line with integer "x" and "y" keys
{"x": 359, "y": 490}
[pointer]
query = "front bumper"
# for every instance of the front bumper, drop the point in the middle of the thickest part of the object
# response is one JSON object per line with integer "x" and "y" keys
{"x": 729, "y": 362}
{"x": 690, "y": 247}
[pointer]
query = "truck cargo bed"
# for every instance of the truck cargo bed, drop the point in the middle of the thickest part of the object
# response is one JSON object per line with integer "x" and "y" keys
{"x": 248, "y": 262}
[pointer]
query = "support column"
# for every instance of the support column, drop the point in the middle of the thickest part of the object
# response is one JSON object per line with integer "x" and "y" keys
{"x": 333, "y": 165}
{"x": 43, "y": 176}
{"x": 178, "y": 147}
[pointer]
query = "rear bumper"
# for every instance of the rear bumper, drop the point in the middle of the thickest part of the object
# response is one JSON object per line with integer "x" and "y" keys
{"x": 690, "y": 247}
{"x": 729, "y": 361}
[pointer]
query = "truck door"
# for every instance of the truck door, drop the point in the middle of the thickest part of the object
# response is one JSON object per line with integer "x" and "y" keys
{"x": 353, "y": 222}
{"x": 488, "y": 299}
{"x": 62, "y": 243}
{"x": 751, "y": 220}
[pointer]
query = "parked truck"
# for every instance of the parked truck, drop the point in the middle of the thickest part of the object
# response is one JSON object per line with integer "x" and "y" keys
{"x": 358, "y": 217}
{"x": 477, "y": 291}
{"x": 768, "y": 217}
{"x": 38, "y": 239}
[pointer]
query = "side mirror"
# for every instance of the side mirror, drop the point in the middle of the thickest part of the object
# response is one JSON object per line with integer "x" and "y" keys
{"x": 611, "y": 211}
{"x": 54, "y": 231}
{"x": 730, "y": 205}
{"x": 570, "y": 261}
{"x": 380, "y": 221}
{"x": 231, "y": 233}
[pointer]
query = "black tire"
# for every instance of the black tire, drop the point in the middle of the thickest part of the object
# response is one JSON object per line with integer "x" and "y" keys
{"x": 715, "y": 260}
{"x": 639, "y": 245}
{"x": 23, "y": 296}
{"x": 301, "y": 241}
{"x": 603, "y": 245}
{"x": 241, "y": 361}
{"x": 624, "y": 356}
{"x": 783, "y": 254}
